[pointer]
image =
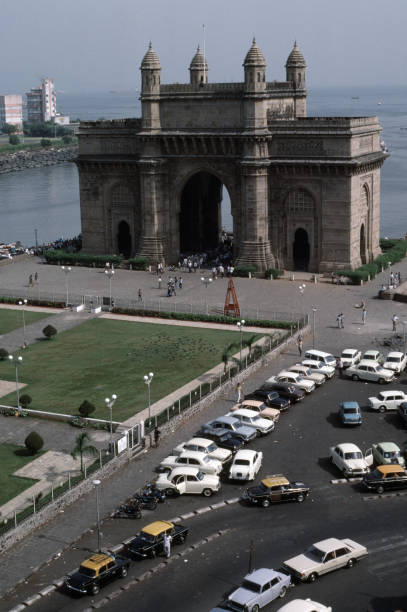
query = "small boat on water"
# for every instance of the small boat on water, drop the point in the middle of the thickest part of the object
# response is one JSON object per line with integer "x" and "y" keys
{"x": 355, "y": 97}
{"x": 378, "y": 103}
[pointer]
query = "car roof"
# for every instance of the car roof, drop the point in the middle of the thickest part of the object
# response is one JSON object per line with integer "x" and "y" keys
{"x": 299, "y": 605}
{"x": 350, "y": 405}
{"x": 349, "y": 447}
{"x": 200, "y": 441}
{"x": 328, "y": 544}
{"x": 273, "y": 481}
{"x": 285, "y": 372}
{"x": 347, "y": 350}
{"x": 371, "y": 352}
{"x": 261, "y": 575}
{"x": 388, "y": 446}
{"x": 187, "y": 469}
{"x": 390, "y": 469}
{"x": 395, "y": 354}
{"x": 250, "y": 402}
{"x": 321, "y": 353}
{"x": 193, "y": 454}
{"x": 366, "y": 362}
{"x": 157, "y": 527}
{"x": 224, "y": 419}
{"x": 245, "y": 453}
{"x": 246, "y": 412}
{"x": 96, "y": 561}
{"x": 387, "y": 393}
{"x": 312, "y": 361}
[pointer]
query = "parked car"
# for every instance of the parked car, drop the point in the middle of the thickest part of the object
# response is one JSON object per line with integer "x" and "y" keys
{"x": 271, "y": 398}
{"x": 350, "y": 357}
{"x": 386, "y": 478}
{"x": 387, "y": 400}
{"x": 304, "y": 605}
{"x": 150, "y": 541}
{"x": 285, "y": 376}
{"x": 258, "y": 589}
{"x": 285, "y": 390}
{"x": 385, "y": 453}
{"x": 245, "y": 465}
{"x": 231, "y": 424}
{"x": 402, "y": 410}
{"x": 273, "y": 414}
{"x": 350, "y": 413}
{"x": 324, "y": 557}
{"x": 395, "y": 361}
{"x": 373, "y": 355}
{"x": 371, "y": 371}
{"x": 187, "y": 480}
{"x": 203, "y": 445}
{"x": 275, "y": 489}
{"x": 225, "y": 439}
{"x": 349, "y": 459}
{"x": 251, "y": 418}
{"x": 319, "y": 367}
{"x": 96, "y": 571}
{"x": 191, "y": 458}
{"x": 326, "y": 358}
{"x": 304, "y": 372}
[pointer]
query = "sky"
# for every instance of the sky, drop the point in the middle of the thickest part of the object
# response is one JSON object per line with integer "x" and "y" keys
{"x": 98, "y": 45}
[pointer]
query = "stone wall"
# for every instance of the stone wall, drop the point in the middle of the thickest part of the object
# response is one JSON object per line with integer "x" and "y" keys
{"x": 22, "y": 160}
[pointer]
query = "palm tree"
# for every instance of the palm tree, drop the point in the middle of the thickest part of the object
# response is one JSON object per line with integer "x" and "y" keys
{"x": 82, "y": 448}
{"x": 249, "y": 342}
{"x": 227, "y": 354}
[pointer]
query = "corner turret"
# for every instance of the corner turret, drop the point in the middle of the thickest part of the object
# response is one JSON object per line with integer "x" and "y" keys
{"x": 150, "y": 89}
{"x": 295, "y": 68}
{"x": 254, "y": 69}
{"x": 198, "y": 69}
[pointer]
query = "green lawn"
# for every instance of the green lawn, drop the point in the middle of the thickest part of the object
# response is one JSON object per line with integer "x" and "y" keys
{"x": 102, "y": 357}
{"x": 10, "y": 485}
{"x": 11, "y": 319}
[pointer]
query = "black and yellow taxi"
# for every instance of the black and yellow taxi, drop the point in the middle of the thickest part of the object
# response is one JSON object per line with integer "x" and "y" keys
{"x": 95, "y": 571}
{"x": 150, "y": 541}
{"x": 386, "y": 478}
{"x": 274, "y": 489}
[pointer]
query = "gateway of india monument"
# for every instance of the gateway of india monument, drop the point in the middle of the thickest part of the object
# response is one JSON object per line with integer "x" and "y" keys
{"x": 304, "y": 191}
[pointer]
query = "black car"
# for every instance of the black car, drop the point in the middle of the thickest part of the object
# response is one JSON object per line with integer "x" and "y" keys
{"x": 226, "y": 440}
{"x": 95, "y": 572}
{"x": 402, "y": 410}
{"x": 150, "y": 541}
{"x": 270, "y": 398}
{"x": 286, "y": 390}
{"x": 386, "y": 478}
{"x": 275, "y": 489}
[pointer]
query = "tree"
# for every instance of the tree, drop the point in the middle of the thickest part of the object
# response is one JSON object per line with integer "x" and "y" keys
{"x": 49, "y": 331}
{"x": 3, "y": 354}
{"x": 67, "y": 139}
{"x": 82, "y": 448}
{"x": 25, "y": 400}
{"x": 9, "y": 128}
{"x": 227, "y": 354}
{"x": 249, "y": 342}
{"x": 14, "y": 139}
{"x": 86, "y": 408}
{"x": 33, "y": 443}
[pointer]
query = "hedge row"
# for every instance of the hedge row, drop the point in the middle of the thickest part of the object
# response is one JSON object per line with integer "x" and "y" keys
{"x": 58, "y": 256}
{"x": 139, "y": 263}
{"x": 32, "y": 302}
{"x": 395, "y": 253}
{"x": 181, "y": 316}
{"x": 244, "y": 271}
{"x": 273, "y": 272}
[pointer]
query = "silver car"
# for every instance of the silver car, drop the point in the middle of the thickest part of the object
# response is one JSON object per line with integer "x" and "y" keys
{"x": 369, "y": 370}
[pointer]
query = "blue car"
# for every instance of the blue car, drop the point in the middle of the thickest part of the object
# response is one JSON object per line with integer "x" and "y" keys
{"x": 350, "y": 414}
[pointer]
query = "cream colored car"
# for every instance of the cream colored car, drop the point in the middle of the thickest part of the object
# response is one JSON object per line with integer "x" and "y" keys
{"x": 264, "y": 411}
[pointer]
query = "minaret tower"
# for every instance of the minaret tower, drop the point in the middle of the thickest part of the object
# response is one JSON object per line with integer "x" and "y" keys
{"x": 295, "y": 68}
{"x": 198, "y": 69}
{"x": 150, "y": 90}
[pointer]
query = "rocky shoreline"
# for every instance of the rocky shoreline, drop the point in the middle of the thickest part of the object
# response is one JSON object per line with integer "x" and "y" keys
{"x": 22, "y": 160}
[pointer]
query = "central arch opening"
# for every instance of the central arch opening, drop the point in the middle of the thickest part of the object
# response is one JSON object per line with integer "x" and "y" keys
{"x": 124, "y": 239}
{"x": 204, "y": 214}
{"x": 301, "y": 250}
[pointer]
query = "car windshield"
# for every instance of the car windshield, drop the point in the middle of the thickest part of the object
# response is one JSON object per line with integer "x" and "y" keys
{"x": 394, "y": 359}
{"x": 256, "y": 418}
{"x": 206, "y": 459}
{"x": 347, "y": 354}
{"x": 251, "y": 586}
{"x": 212, "y": 447}
{"x": 350, "y": 410}
{"x": 87, "y": 571}
{"x": 315, "y": 553}
{"x": 319, "y": 365}
{"x": 242, "y": 462}
{"x": 147, "y": 537}
{"x": 354, "y": 455}
{"x": 390, "y": 454}
{"x": 238, "y": 424}
{"x": 330, "y": 359}
{"x": 273, "y": 395}
{"x": 371, "y": 357}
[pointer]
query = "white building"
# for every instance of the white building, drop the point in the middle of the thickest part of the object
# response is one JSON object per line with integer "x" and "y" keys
{"x": 41, "y": 102}
{"x": 11, "y": 110}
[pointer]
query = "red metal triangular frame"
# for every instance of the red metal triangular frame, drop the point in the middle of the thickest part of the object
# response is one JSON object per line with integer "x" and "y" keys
{"x": 231, "y": 304}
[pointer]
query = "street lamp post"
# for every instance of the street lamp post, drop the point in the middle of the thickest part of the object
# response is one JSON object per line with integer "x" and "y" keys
{"x": 301, "y": 289}
{"x": 240, "y": 325}
{"x": 16, "y": 362}
{"x": 67, "y": 270}
{"x": 147, "y": 380}
{"x": 110, "y": 403}
{"x": 314, "y": 310}
{"x": 23, "y": 303}
{"x": 110, "y": 273}
{"x": 97, "y": 483}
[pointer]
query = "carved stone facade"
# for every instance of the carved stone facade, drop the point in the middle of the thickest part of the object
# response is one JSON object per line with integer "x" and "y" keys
{"x": 305, "y": 192}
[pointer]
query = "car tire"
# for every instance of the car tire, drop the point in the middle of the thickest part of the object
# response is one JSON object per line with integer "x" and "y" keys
{"x": 350, "y": 563}
{"x": 312, "y": 577}
{"x": 381, "y": 381}
{"x": 255, "y": 608}
{"x": 283, "y": 592}
{"x": 380, "y": 489}
{"x": 355, "y": 377}
{"x": 152, "y": 505}
{"x": 300, "y": 498}
{"x": 265, "y": 503}
{"x": 123, "y": 572}
{"x": 170, "y": 492}
{"x": 382, "y": 409}
{"x": 207, "y": 492}
{"x": 94, "y": 590}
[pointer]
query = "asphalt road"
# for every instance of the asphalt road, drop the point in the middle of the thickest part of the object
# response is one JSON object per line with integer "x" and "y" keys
{"x": 299, "y": 449}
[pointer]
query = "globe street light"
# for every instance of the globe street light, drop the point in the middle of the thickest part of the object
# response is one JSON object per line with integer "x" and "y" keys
{"x": 240, "y": 325}
{"x": 67, "y": 270}
{"x": 97, "y": 482}
{"x": 147, "y": 380}
{"x": 110, "y": 403}
{"x": 205, "y": 280}
{"x": 110, "y": 273}
{"x": 23, "y": 303}
{"x": 16, "y": 362}
{"x": 314, "y": 310}
{"x": 301, "y": 290}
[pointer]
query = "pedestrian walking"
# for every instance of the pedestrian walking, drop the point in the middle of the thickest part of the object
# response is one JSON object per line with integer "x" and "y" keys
{"x": 140, "y": 296}
{"x": 157, "y": 434}
{"x": 364, "y": 315}
{"x": 159, "y": 282}
{"x": 340, "y": 367}
{"x": 36, "y": 277}
{"x": 339, "y": 319}
{"x": 394, "y": 321}
{"x": 30, "y": 280}
{"x": 167, "y": 545}
{"x": 239, "y": 393}
{"x": 180, "y": 281}
{"x": 299, "y": 342}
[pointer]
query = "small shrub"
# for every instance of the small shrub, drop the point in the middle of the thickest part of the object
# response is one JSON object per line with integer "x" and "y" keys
{"x": 78, "y": 422}
{"x": 3, "y": 354}
{"x": 243, "y": 271}
{"x": 273, "y": 272}
{"x": 139, "y": 263}
{"x": 355, "y": 276}
{"x": 25, "y": 400}
{"x": 46, "y": 142}
{"x": 14, "y": 139}
{"x": 58, "y": 256}
{"x": 33, "y": 443}
{"x": 67, "y": 139}
{"x": 49, "y": 331}
{"x": 86, "y": 408}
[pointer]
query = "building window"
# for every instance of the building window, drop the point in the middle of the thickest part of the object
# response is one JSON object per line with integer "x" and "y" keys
{"x": 364, "y": 197}
{"x": 300, "y": 203}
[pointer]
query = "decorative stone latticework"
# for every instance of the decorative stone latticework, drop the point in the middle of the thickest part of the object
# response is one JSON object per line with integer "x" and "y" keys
{"x": 305, "y": 192}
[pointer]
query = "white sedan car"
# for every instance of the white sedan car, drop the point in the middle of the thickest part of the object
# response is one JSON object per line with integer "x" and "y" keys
{"x": 349, "y": 459}
{"x": 285, "y": 376}
{"x": 246, "y": 464}
{"x": 395, "y": 361}
{"x": 324, "y": 557}
{"x": 371, "y": 371}
{"x": 251, "y": 418}
{"x": 187, "y": 480}
{"x": 319, "y": 367}
{"x": 387, "y": 400}
{"x": 350, "y": 356}
{"x": 203, "y": 445}
{"x": 308, "y": 374}
{"x": 195, "y": 459}
{"x": 304, "y": 605}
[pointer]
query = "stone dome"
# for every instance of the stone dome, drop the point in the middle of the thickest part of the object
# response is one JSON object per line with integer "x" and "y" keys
{"x": 296, "y": 58}
{"x": 198, "y": 61}
{"x": 150, "y": 60}
{"x": 254, "y": 56}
